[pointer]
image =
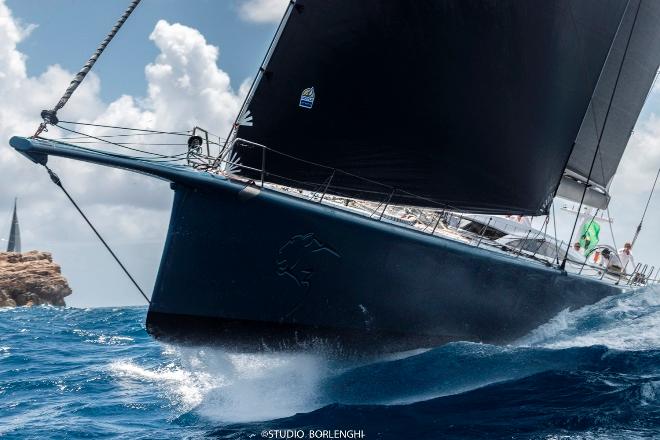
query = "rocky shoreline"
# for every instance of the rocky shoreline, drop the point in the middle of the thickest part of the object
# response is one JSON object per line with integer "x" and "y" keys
{"x": 31, "y": 278}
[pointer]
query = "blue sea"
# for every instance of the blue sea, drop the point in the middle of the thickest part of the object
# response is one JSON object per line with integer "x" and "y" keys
{"x": 592, "y": 373}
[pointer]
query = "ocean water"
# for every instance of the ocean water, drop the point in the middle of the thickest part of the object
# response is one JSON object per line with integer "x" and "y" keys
{"x": 593, "y": 373}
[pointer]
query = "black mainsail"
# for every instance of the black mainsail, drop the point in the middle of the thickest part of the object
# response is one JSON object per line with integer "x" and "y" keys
{"x": 472, "y": 104}
{"x": 14, "y": 243}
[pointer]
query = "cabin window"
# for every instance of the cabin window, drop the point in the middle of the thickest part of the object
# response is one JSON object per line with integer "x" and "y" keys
{"x": 488, "y": 232}
{"x": 535, "y": 246}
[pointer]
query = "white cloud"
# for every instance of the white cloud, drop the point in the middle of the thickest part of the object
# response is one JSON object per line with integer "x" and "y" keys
{"x": 262, "y": 11}
{"x": 186, "y": 88}
{"x": 642, "y": 158}
{"x": 186, "y": 73}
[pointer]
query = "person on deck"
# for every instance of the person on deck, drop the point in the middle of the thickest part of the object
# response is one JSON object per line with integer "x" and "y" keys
{"x": 524, "y": 220}
{"x": 626, "y": 258}
{"x": 607, "y": 258}
{"x": 611, "y": 261}
{"x": 577, "y": 247}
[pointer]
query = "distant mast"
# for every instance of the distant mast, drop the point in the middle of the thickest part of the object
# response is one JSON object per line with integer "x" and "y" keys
{"x": 14, "y": 234}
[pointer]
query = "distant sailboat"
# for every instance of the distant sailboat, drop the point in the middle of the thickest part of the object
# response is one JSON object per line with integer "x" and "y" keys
{"x": 14, "y": 244}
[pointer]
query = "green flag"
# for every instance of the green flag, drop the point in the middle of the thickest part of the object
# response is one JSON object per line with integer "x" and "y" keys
{"x": 589, "y": 236}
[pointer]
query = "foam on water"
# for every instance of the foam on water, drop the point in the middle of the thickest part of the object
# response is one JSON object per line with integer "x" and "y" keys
{"x": 232, "y": 388}
{"x": 181, "y": 386}
{"x": 262, "y": 387}
{"x": 588, "y": 373}
{"x": 228, "y": 387}
{"x": 630, "y": 321}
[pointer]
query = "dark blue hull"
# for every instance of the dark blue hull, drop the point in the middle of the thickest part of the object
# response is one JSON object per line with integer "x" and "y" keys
{"x": 273, "y": 271}
{"x": 253, "y": 269}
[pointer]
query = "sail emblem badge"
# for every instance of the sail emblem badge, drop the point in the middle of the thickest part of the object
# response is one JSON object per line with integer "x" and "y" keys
{"x": 307, "y": 98}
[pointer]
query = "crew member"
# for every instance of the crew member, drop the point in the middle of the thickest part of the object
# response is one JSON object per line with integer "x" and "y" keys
{"x": 524, "y": 220}
{"x": 626, "y": 257}
{"x": 606, "y": 261}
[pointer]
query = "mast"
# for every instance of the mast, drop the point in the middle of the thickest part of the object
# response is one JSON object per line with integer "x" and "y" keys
{"x": 14, "y": 244}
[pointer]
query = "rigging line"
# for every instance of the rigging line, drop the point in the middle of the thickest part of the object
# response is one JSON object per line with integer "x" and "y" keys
{"x": 655, "y": 79}
{"x": 110, "y": 142}
{"x": 143, "y": 132}
{"x": 75, "y": 140}
{"x": 540, "y": 231}
{"x": 346, "y": 173}
{"x": 585, "y": 71}
{"x": 176, "y": 158}
{"x": 153, "y": 144}
{"x": 605, "y": 120}
{"x": 554, "y": 225}
{"x": 64, "y": 138}
{"x": 648, "y": 202}
{"x": 260, "y": 73}
{"x": 56, "y": 180}
{"x": 109, "y": 153}
{"x": 639, "y": 227}
{"x": 148, "y": 159}
{"x": 544, "y": 230}
{"x": 211, "y": 134}
{"x": 50, "y": 116}
{"x": 611, "y": 228}
{"x": 597, "y": 153}
{"x": 178, "y": 133}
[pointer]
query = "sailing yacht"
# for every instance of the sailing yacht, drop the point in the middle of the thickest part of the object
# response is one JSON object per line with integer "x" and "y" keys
{"x": 336, "y": 212}
{"x": 14, "y": 242}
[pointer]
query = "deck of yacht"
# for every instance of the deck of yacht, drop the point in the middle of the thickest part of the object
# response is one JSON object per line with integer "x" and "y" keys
{"x": 475, "y": 230}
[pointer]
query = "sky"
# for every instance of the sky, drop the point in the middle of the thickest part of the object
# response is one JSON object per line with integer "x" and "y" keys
{"x": 175, "y": 64}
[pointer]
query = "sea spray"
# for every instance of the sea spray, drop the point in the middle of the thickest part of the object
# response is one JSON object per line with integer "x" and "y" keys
{"x": 74, "y": 373}
{"x": 256, "y": 386}
{"x": 230, "y": 387}
{"x": 629, "y": 321}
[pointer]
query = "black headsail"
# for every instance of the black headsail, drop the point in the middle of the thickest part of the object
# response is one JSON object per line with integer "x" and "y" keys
{"x": 472, "y": 103}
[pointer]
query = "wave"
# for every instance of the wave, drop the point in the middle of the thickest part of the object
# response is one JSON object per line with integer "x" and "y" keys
{"x": 629, "y": 321}
{"x": 228, "y": 387}
{"x": 552, "y": 404}
{"x": 588, "y": 373}
{"x": 588, "y": 339}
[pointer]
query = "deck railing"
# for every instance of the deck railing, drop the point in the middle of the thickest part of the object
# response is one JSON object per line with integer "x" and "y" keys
{"x": 451, "y": 219}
